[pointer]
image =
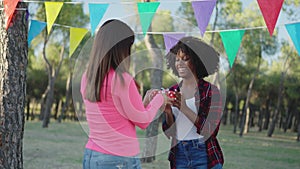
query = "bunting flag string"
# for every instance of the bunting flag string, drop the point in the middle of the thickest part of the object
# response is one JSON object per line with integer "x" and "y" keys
{"x": 203, "y": 9}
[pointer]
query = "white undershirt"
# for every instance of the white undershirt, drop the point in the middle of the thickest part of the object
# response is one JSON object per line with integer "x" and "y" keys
{"x": 186, "y": 129}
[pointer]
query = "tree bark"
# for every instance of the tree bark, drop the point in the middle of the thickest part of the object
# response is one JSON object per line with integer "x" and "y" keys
{"x": 13, "y": 63}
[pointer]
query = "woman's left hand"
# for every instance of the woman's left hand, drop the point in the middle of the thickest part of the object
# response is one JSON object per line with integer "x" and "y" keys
{"x": 149, "y": 96}
{"x": 177, "y": 101}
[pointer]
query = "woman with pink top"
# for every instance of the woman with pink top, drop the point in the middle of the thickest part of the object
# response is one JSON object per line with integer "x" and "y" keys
{"x": 113, "y": 104}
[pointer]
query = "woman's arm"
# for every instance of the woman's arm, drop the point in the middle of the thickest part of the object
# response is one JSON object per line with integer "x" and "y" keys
{"x": 168, "y": 124}
{"x": 208, "y": 119}
{"x": 132, "y": 106}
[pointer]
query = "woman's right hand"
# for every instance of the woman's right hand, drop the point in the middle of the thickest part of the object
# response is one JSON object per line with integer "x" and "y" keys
{"x": 168, "y": 109}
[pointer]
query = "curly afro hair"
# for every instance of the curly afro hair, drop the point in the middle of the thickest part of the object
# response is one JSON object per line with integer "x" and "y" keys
{"x": 204, "y": 58}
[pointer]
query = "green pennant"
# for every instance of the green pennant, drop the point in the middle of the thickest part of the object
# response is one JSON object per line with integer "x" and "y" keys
{"x": 146, "y": 11}
{"x": 232, "y": 41}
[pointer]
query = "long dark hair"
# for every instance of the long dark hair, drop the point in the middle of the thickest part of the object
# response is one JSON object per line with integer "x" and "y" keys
{"x": 204, "y": 58}
{"x": 112, "y": 45}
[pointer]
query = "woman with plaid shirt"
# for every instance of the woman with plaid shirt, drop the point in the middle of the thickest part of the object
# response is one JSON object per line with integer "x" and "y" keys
{"x": 193, "y": 119}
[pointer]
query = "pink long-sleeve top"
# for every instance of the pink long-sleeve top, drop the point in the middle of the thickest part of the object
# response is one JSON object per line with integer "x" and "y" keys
{"x": 112, "y": 121}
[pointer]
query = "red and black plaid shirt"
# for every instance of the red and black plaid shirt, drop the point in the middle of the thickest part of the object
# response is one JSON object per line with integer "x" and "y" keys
{"x": 209, "y": 104}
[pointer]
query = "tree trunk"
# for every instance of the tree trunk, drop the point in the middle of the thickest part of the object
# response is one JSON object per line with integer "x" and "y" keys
{"x": 156, "y": 79}
{"x": 267, "y": 114}
{"x": 214, "y": 23}
{"x": 156, "y": 83}
{"x": 298, "y": 137}
{"x": 260, "y": 119}
{"x": 13, "y": 63}
{"x": 57, "y": 108}
{"x": 289, "y": 116}
{"x": 245, "y": 119}
{"x": 225, "y": 115}
{"x": 48, "y": 104}
{"x": 42, "y": 104}
{"x": 68, "y": 96}
{"x": 52, "y": 75}
{"x": 237, "y": 109}
{"x": 276, "y": 115}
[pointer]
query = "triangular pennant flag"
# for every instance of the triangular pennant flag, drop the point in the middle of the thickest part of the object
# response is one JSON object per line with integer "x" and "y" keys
{"x": 231, "y": 41}
{"x": 52, "y": 11}
{"x": 96, "y": 13}
{"x": 76, "y": 35}
{"x": 203, "y": 11}
{"x": 9, "y": 9}
{"x": 146, "y": 11}
{"x": 171, "y": 39}
{"x": 270, "y": 11}
{"x": 35, "y": 28}
{"x": 294, "y": 32}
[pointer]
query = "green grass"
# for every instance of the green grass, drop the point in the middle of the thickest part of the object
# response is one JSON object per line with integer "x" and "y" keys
{"x": 61, "y": 147}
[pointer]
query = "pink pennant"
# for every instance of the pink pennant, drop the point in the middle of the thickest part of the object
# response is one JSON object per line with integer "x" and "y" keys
{"x": 9, "y": 9}
{"x": 270, "y": 11}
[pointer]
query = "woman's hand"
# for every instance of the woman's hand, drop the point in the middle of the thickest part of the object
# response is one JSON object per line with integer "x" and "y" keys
{"x": 177, "y": 100}
{"x": 149, "y": 96}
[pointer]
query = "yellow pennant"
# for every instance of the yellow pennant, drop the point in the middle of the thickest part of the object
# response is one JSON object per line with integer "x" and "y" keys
{"x": 76, "y": 35}
{"x": 52, "y": 11}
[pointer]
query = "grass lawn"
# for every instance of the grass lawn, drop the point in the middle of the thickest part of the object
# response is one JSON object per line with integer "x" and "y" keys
{"x": 61, "y": 147}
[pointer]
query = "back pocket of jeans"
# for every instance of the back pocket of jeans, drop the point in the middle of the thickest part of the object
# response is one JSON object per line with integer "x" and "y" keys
{"x": 112, "y": 165}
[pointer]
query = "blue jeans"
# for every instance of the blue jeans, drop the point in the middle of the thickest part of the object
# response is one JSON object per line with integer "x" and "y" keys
{"x": 191, "y": 154}
{"x": 96, "y": 160}
{"x": 217, "y": 166}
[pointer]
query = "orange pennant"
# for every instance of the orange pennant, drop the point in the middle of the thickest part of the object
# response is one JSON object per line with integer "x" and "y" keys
{"x": 9, "y": 9}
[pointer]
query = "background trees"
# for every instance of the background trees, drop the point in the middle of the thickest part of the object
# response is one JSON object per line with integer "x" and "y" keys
{"x": 262, "y": 85}
{"x": 252, "y": 82}
{"x": 54, "y": 52}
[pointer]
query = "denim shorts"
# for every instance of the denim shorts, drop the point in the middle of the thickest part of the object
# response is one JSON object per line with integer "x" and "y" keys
{"x": 96, "y": 160}
{"x": 191, "y": 154}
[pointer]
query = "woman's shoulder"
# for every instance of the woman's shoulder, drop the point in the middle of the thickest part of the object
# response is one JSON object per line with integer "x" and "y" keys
{"x": 208, "y": 84}
{"x": 127, "y": 75}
